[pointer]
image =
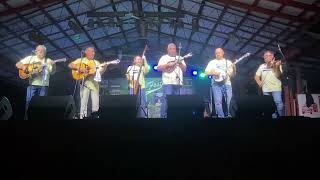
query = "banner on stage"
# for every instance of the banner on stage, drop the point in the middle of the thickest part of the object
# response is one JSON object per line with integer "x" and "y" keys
{"x": 308, "y": 105}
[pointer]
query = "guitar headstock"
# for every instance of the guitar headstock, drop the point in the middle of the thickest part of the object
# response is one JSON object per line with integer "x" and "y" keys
{"x": 117, "y": 61}
{"x": 61, "y": 60}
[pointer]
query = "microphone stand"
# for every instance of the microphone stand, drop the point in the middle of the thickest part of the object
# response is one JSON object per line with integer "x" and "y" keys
{"x": 178, "y": 74}
{"x": 77, "y": 82}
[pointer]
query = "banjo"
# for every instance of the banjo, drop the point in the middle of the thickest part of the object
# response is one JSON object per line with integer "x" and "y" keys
{"x": 223, "y": 74}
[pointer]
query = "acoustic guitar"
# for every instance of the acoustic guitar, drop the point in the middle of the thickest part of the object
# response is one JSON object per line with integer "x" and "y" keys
{"x": 85, "y": 70}
{"x": 35, "y": 68}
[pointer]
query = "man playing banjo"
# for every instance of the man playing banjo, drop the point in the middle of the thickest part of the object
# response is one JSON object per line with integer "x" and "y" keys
{"x": 221, "y": 71}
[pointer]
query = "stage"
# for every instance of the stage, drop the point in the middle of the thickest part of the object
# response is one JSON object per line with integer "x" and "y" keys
{"x": 161, "y": 148}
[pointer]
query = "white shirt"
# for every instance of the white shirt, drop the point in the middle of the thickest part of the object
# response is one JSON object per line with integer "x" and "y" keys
{"x": 222, "y": 64}
{"x": 176, "y": 76}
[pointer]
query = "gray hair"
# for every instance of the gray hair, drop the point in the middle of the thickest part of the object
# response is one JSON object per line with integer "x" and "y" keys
{"x": 42, "y": 47}
{"x": 171, "y": 45}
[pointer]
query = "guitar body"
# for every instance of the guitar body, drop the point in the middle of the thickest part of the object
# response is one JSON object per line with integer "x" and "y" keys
{"x": 136, "y": 88}
{"x": 29, "y": 69}
{"x": 34, "y": 67}
{"x": 83, "y": 70}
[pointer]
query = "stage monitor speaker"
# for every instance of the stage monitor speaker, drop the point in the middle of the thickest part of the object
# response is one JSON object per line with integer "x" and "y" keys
{"x": 5, "y": 109}
{"x": 185, "y": 106}
{"x": 255, "y": 106}
{"x": 51, "y": 107}
{"x": 118, "y": 107}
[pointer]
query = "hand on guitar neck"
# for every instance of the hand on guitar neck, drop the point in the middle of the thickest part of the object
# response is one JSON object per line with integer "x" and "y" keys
{"x": 171, "y": 65}
{"x": 82, "y": 70}
{"x": 26, "y": 70}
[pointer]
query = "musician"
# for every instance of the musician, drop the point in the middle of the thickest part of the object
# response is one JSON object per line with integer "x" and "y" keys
{"x": 268, "y": 78}
{"x": 39, "y": 81}
{"x": 172, "y": 75}
{"x": 89, "y": 86}
{"x": 216, "y": 67}
{"x": 132, "y": 76}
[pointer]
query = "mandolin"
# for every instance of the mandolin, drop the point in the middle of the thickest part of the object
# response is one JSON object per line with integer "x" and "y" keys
{"x": 176, "y": 61}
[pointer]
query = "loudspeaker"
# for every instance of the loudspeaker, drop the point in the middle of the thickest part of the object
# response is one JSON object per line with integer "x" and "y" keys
{"x": 5, "y": 109}
{"x": 255, "y": 106}
{"x": 185, "y": 106}
{"x": 118, "y": 106}
{"x": 51, "y": 107}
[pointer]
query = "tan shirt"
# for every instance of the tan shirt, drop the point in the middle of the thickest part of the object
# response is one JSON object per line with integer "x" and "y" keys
{"x": 270, "y": 81}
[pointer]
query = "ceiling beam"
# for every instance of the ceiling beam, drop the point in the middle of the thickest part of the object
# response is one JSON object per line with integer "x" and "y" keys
{"x": 12, "y": 10}
{"x": 261, "y": 10}
{"x": 297, "y": 4}
{"x": 35, "y": 29}
{"x": 197, "y": 16}
{"x": 175, "y": 28}
{"x": 121, "y": 27}
{"x": 82, "y": 28}
{"x": 224, "y": 10}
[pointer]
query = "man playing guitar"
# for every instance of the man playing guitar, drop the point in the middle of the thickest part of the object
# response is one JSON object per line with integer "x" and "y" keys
{"x": 172, "y": 67}
{"x": 39, "y": 77}
{"x": 89, "y": 85}
{"x": 217, "y": 67}
{"x": 137, "y": 82}
{"x": 268, "y": 78}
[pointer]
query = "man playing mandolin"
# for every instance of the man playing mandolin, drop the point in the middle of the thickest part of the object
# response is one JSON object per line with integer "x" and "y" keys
{"x": 39, "y": 68}
{"x": 90, "y": 86}
{"x": 172, "y": 67}
{"x": 137, "y": 87}
{"x": 221, "y": 68}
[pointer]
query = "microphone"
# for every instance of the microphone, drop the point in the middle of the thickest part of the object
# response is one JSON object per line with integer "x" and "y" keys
{"x": 180, "y": 46}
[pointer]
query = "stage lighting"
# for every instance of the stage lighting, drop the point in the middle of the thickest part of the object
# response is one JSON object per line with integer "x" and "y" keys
{"x": 194, "y": 72}
{"x": 202, "y": 75}
{"x": 155, "y": 67}
{"x": 210, "y": 77}
{"x": 91, "y": 23}
{"x": 74, "y": 27}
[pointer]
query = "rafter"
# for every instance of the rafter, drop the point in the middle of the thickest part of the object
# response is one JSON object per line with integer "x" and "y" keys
{"x": 37, "y": 30}
{"x": 261, "y": 10}
{"x": 12, "y": 10}
{"x": 82, "y": 28}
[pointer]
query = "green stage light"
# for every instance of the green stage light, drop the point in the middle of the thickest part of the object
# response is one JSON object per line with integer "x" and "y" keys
{"x": 202, "y": 75}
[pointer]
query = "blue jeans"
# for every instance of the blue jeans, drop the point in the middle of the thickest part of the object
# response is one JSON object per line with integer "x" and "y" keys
{"x": 143, "y": 111}
{"x": 219, "y": 91}
{"x": 168, "y": 89}
{"x": 34, "y": 91}
{"x": 277, "y": 98}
